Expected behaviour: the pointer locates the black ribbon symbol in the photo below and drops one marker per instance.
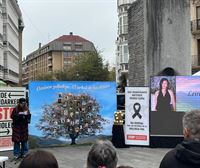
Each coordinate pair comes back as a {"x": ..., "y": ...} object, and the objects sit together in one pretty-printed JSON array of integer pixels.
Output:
[{"x": 136, "y": 108}]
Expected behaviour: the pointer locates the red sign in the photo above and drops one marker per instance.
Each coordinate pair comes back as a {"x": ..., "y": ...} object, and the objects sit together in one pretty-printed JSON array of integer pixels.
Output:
[{"x": 137, "y": 137}]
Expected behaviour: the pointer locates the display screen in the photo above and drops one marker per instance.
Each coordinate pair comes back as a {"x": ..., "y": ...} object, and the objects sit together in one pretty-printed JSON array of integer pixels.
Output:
[
  {"x": 187, "y": 93},
  {"x": 180, "y": 93}
]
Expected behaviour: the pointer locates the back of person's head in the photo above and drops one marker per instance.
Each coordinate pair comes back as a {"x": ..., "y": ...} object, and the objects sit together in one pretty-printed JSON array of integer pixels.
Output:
[
  {"x": 102, "y": 155},
  {"x": 39, "y": 159},
  {"x": 191, "y": 125}
]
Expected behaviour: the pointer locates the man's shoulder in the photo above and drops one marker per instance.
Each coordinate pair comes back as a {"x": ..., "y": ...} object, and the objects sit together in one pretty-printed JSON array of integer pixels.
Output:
[
  {"x": 168, "y": 159},
  {"x": 170, "y": 154}
]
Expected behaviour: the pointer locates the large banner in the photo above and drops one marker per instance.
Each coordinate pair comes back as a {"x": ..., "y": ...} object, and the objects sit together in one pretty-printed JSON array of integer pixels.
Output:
[
  {"x": 8, "y": 100},
  {"x": 65, "y": 112},
  {"x": 137, "y": 115}
]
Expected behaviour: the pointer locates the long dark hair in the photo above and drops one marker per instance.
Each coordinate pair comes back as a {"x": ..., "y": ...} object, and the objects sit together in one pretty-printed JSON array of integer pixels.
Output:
[
  {"x": 39, "y": 159},
  {"x": 161, "y": 82},
  {"x": 19, "y": 108}
]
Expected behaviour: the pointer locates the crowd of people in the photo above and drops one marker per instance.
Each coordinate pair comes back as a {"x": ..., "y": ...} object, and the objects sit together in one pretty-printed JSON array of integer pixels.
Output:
[{"x": 103, "y": 154}]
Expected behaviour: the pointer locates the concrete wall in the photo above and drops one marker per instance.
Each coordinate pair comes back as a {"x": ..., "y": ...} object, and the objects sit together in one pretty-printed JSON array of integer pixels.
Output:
[
  {"x": 57, "y": 61},
  {"x": 195, "y": 34},
  {"x": 136, "y": 44},
  {"x": 164, "y": 41}
]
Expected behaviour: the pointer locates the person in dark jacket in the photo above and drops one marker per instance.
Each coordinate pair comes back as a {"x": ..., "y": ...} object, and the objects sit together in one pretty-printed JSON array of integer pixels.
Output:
[
  {"x": 21, "y": 118},
  {"x": 186, "y": 154}
]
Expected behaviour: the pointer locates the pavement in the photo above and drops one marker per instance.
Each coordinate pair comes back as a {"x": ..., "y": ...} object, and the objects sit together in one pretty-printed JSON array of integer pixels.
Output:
[{"x": 76, "y": 156}]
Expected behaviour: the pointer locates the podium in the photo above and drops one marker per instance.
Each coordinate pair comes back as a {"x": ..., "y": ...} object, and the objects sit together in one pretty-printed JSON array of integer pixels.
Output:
[{"x": 118, "y": 139}]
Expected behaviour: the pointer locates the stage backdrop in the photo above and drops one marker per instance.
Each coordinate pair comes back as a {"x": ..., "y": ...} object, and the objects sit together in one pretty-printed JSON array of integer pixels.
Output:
[
  {"x": 137, "y": 115},
  {"x": 65, "y": 111}
]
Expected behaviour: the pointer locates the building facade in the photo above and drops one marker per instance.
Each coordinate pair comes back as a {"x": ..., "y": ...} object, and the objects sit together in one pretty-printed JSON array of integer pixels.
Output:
[
  {"x": 11, "y": 27},
  {"x": 54, "y": 56},
  {"x": 195, "y": 43},
  {"x": 122, "y": 54}
]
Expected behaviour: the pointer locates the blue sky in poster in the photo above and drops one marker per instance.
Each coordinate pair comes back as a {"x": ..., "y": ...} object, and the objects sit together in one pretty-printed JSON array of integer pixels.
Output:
[{"x": 46, "y": 92}]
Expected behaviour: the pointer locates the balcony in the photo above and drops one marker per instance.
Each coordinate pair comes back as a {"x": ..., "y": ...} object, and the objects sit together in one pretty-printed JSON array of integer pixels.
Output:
[
  {"x": 124, "y": 2},
  {"x": 49, "y": 57},
  {"x": 49, "y": 63},
  {"x": 124, "y": 68},
  {"x": 195, "y": 26}
]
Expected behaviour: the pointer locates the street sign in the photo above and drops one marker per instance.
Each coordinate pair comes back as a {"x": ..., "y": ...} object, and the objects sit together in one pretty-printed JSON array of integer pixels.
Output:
[
  {"x": 5, "y": 128},
  {"x": 9, "y": 97}
]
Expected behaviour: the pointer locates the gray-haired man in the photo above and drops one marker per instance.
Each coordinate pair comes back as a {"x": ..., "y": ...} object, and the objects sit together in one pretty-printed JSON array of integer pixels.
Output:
[{"x": 186, "y": 154}]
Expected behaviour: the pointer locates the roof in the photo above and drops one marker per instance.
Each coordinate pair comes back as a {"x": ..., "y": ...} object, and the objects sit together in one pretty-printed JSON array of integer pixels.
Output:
[
  {"x": 64, "y": 38},
  {"x": 71, "y": 38}
]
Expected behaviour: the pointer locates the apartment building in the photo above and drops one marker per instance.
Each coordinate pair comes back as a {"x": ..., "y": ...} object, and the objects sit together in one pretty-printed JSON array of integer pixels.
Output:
[
  {"x": 195, "y": 28},
  {"x": 54, "y": 56},
  {"x": 11, "y": 27},
  {"x": 122, "y": 53}
]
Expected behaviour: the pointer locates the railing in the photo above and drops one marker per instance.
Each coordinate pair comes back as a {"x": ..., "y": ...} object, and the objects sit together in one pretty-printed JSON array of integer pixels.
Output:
[{"x": 195, "y": 25}]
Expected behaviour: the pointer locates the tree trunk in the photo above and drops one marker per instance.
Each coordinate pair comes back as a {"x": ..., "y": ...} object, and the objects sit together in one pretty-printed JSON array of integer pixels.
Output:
[
  {"x": 73, "y": 141},
  {"x": 73, "y": 138}
]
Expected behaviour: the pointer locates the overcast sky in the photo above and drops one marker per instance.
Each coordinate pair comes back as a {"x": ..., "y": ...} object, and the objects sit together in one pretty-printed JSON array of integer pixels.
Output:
[{"x": 46, "y": 20}]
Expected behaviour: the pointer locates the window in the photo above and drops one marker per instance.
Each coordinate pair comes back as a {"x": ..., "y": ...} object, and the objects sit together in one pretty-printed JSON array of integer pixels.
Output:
[
  {"x": 78, "y": 46},
  {"x": 125, "y": 8},
  {"x": 123, "y": 24},
  {"x": 120, "y": 54},
  {"x": 126, "y": 66},
  {"x": 198, "y": 16},
  {"x": 67, "y": 46},
  {"x": 120, "y": 26},
  {"x": 126, "y": 53}
]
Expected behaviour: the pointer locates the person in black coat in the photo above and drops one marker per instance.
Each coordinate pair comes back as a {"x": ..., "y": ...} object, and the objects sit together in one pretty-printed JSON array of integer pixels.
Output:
[
  {"x": 186, "y": 154},
  {"x": 21, "y": 118}
]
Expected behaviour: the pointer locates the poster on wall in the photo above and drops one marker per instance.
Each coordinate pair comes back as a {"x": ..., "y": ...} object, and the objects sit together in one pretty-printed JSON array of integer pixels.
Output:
[
  {"x": 137, "y": 116},
  {"x": 8, "y": 100},
  {"x": 71, "y": 112},
  {"x": 163, "y": 93}
]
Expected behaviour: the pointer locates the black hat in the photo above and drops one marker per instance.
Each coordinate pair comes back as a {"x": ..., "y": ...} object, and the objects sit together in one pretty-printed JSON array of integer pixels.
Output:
[{"x": 22, "y": 100}]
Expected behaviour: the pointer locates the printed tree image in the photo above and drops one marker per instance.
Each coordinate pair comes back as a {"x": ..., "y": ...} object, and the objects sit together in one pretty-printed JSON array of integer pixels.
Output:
[{"x": 71, "y": 116}]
